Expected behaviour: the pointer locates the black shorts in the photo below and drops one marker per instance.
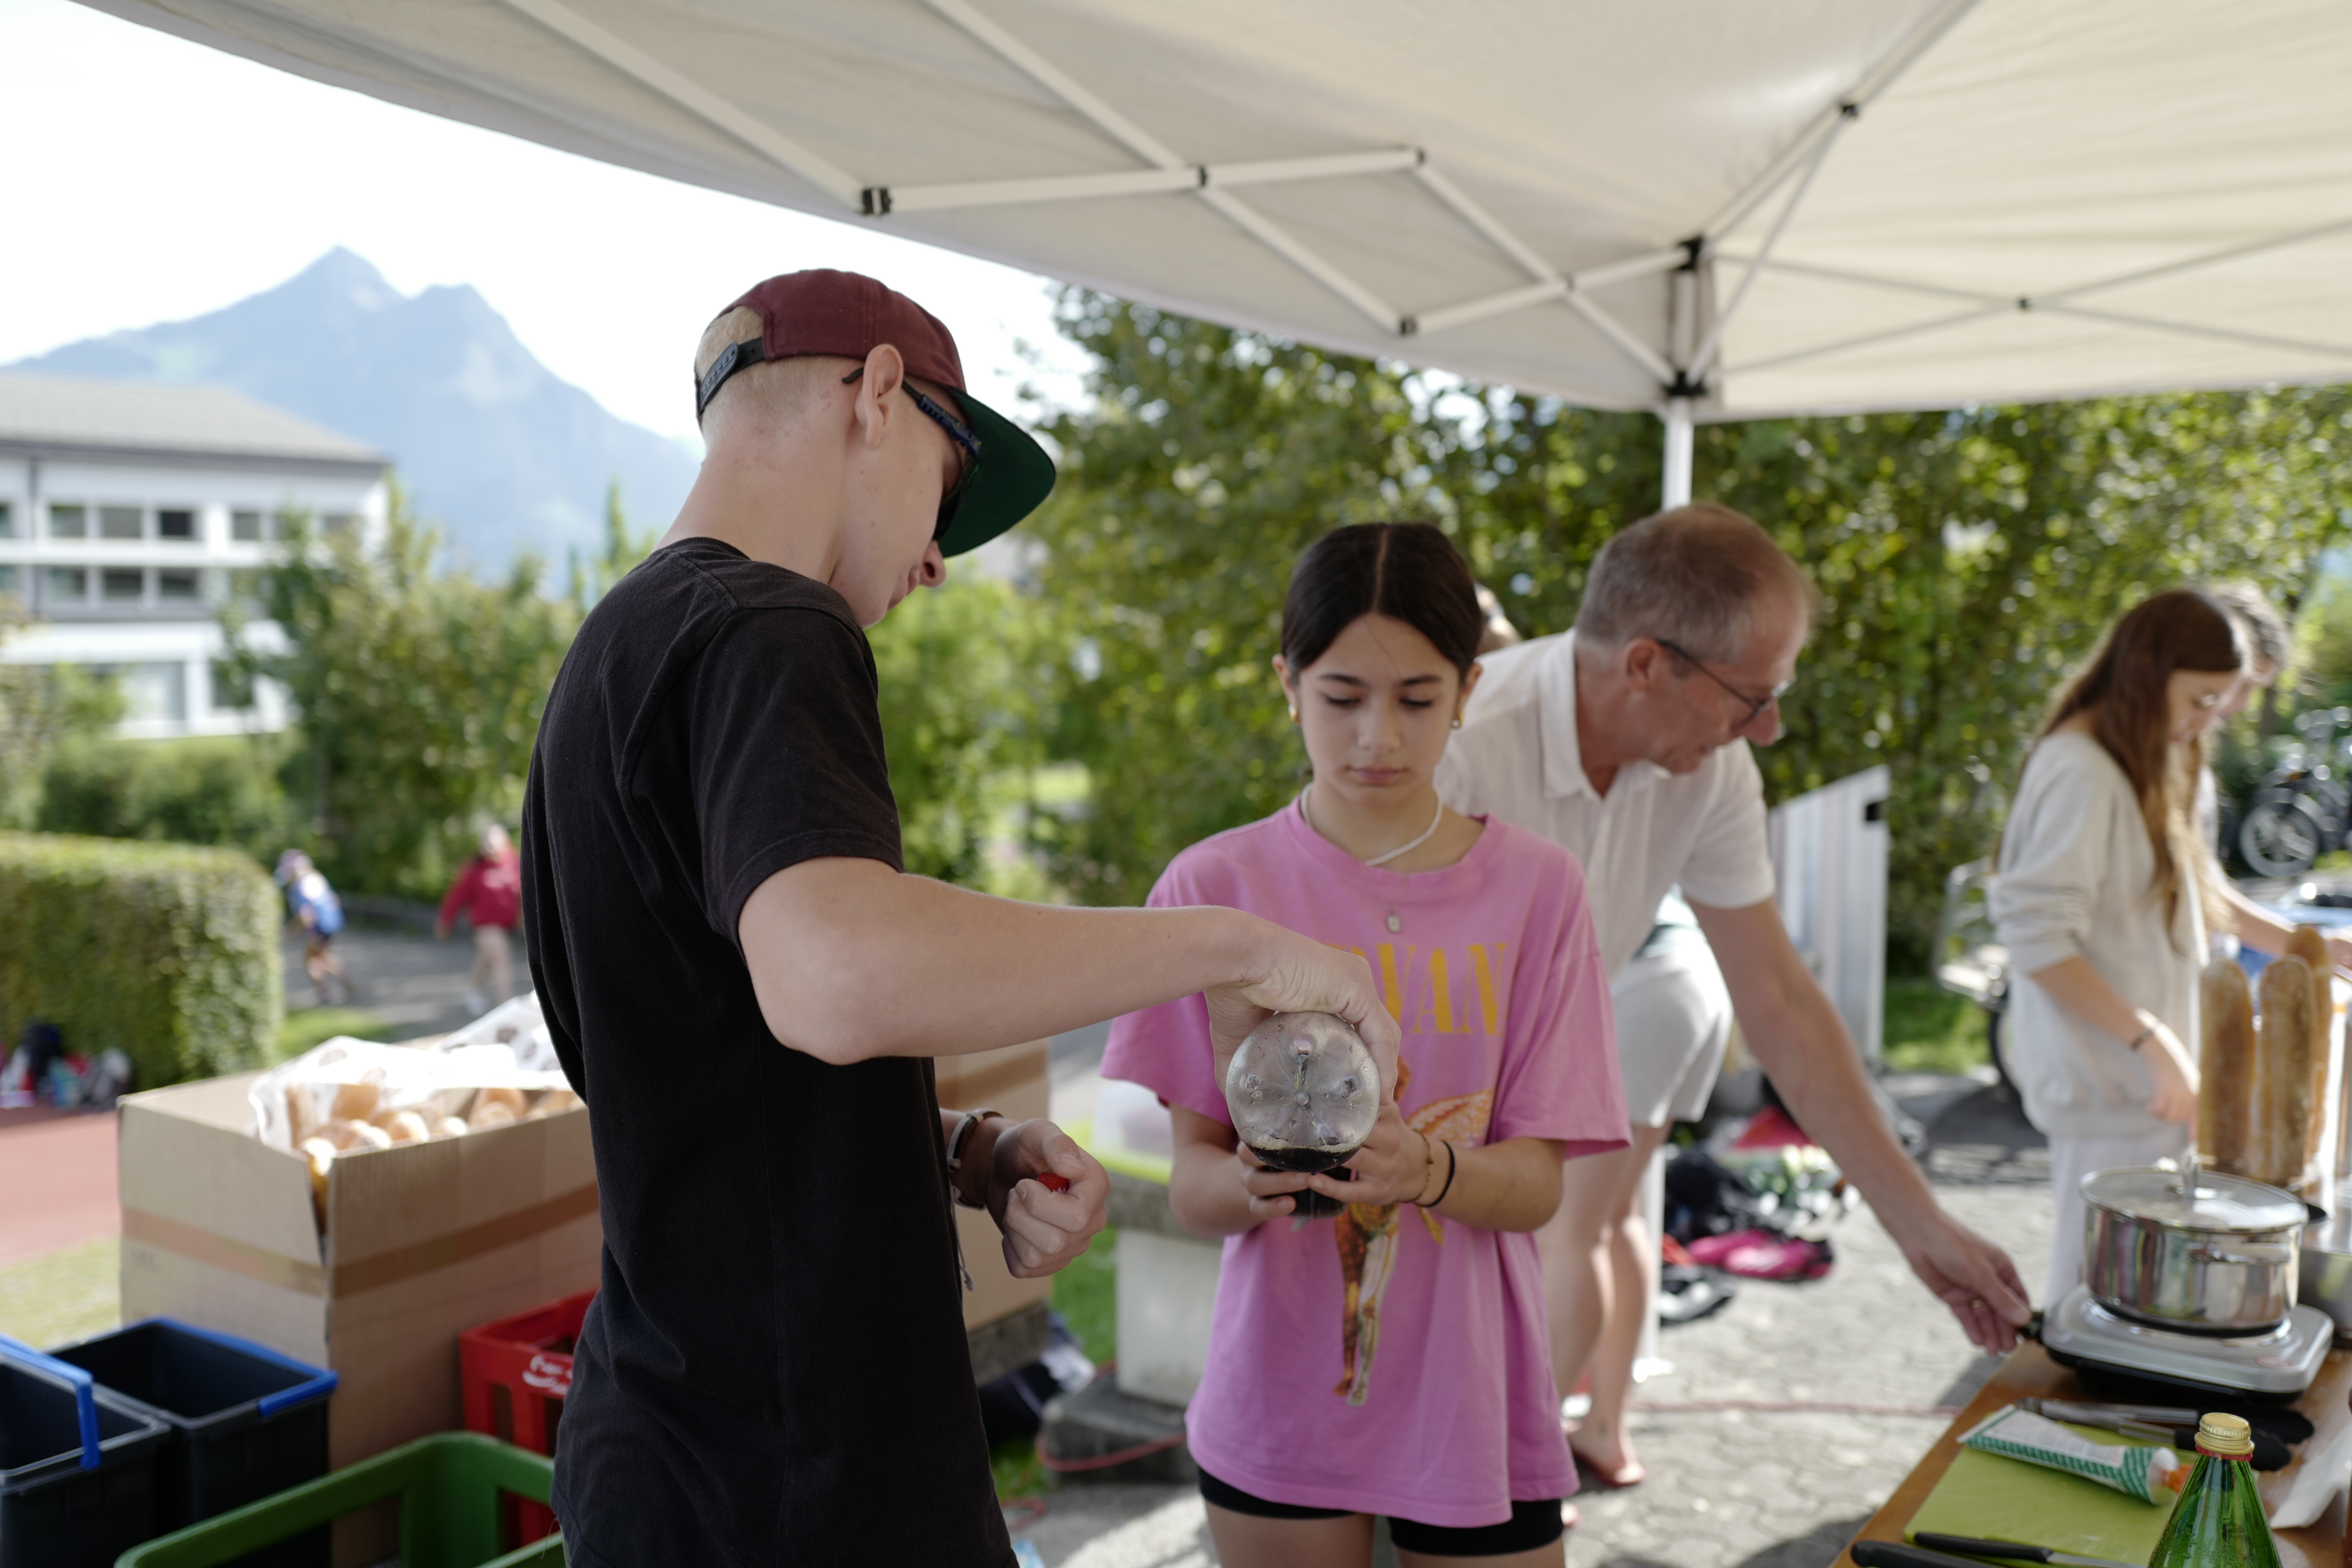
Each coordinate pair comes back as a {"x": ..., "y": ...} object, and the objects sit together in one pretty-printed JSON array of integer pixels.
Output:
[{"x": 1531, "y": 1524}]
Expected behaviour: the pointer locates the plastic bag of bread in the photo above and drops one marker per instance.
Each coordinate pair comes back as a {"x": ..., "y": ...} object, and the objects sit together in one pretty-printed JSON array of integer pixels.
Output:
[{"x": 404, "y": 1094}]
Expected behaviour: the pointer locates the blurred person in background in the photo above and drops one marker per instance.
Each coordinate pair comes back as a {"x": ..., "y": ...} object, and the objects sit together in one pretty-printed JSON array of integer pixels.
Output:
[
  {"x": 312, "y": 908},
  {"x": 488, "y": 893},
  {"x": 2101, "y": 892}
]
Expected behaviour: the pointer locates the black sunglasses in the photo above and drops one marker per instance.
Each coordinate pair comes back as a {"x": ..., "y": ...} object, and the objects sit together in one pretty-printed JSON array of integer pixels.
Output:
[
  {"x": 1754, "y": 709},
  {"x": 958, "y": 432}
]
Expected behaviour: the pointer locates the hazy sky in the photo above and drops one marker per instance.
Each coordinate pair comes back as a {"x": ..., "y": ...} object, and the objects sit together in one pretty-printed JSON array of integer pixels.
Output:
[{"x": 149, "y": 179}]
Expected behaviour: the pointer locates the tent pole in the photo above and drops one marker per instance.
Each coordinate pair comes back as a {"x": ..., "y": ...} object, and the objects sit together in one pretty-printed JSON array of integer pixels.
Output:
[{"x": 1677, "y": 490}]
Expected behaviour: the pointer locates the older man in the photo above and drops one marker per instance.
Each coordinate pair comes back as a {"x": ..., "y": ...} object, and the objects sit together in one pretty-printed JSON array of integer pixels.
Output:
[{"x": 1626, "y": 739}]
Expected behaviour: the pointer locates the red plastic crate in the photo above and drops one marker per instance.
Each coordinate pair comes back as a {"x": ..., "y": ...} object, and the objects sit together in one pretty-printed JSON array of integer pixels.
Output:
[{"x": 515, "y": 1374}]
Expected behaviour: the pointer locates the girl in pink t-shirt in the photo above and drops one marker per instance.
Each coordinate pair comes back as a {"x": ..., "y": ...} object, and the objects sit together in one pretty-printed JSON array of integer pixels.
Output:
[{"x": 1393, "y": 1361}]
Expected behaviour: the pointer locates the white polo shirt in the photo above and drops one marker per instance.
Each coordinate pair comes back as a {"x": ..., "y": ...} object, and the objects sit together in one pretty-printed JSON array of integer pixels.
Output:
[{"x": 1516, "y": 756}]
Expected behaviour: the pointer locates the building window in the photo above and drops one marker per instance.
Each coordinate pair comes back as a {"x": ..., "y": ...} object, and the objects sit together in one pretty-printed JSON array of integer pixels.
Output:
[
  {"x": 244, "y": 527},
  {"x": 7, "y": 578},
  {"x": 181, "y": 585},
  {"x": 156, "y": 691},
  {"x": 175, "y": 522},
  {"x": 245, "y": 585},
  {"x": 67, "y": 583},
  {"x": 232, "y": 689},
  {"x": 122, "y": 582},
  {"x": 68, "y": 522},
  {"x": 7, "y": 520},
  {"x": 119, "y": 522},
  {"x": 338, "y": 523}
]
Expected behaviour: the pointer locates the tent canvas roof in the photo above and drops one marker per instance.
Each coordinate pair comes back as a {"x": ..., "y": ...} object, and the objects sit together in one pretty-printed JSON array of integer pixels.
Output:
[{"x": 1983, "y": 199}]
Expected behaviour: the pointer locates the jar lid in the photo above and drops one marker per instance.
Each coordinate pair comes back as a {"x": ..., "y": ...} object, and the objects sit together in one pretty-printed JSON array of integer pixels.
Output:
[{"x": 2222, "y": 1202}]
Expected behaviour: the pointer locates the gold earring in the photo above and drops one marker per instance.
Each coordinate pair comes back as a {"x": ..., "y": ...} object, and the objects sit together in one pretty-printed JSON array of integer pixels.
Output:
[
  {"x": 1294, "y": 715},
  {"x": 1457, "y": 721}
]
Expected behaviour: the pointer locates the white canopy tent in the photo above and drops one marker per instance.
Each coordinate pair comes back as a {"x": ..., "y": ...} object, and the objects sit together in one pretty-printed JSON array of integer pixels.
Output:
[{"x": 1715, "y": 209}]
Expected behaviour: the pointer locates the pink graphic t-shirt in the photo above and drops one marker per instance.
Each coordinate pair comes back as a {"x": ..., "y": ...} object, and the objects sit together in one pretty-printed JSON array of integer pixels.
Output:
[{"x": 1390, "y": 1362}]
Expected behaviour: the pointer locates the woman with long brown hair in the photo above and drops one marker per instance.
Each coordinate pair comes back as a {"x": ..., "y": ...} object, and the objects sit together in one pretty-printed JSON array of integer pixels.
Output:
[{"x": 2101, "y": 899}]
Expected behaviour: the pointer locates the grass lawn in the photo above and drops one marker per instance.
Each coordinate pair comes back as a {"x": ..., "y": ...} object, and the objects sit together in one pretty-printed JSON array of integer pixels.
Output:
[
  {"x": 307, "y": 1026},
  {"x": 1928, "y": 1029},
  {"x": 63, "y": 1295}
]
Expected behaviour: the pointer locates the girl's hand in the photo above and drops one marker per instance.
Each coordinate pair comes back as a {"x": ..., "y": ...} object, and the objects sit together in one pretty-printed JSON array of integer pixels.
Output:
[
  {"x": 1269, "y": 1190},
  {"x": 1393, "y": 1167},
  {"x": 2175, "y": 1071}
]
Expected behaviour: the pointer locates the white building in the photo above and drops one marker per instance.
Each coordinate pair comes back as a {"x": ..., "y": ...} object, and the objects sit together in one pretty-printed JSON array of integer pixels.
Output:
[{"x": 131, "y": 512}]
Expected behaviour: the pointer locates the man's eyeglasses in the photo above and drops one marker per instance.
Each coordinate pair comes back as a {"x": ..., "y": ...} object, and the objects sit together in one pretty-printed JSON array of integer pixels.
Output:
[
  {"x": 1754, "y": 706},
  {"x": 958, "y": 432}
]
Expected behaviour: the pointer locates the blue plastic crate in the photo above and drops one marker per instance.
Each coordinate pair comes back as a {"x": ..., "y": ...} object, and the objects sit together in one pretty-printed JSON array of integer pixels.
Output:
[
  {"x": 77, "y": 1466},
  {"x": 245, "y": 1422}
]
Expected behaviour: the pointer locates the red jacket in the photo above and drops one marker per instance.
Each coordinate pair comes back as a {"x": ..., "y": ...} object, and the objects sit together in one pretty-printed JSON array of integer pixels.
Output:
[{"x": 488, "y": 892}]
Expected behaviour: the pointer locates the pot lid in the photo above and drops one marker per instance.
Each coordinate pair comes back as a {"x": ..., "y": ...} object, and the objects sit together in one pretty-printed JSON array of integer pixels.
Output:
[{"x": 2222, "y": 1202}]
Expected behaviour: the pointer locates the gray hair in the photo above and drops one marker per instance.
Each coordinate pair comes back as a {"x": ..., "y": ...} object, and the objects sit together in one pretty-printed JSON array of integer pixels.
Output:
[{"x": 1691, "y": 576}]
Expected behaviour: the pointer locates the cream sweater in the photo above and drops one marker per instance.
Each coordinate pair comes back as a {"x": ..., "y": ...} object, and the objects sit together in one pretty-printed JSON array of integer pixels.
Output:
[{"x": 2075, "y": 869}]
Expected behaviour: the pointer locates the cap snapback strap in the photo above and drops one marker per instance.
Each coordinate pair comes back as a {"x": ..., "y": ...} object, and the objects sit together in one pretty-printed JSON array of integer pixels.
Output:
[{"x": 735, "y": 357}]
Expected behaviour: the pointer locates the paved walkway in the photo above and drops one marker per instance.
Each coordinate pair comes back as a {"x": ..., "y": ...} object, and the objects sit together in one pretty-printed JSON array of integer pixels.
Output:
[
  {"x": 58, "y": 1173},
  {"x": 1742, "y": 1475},
  {"x": 416, "y": 985}
]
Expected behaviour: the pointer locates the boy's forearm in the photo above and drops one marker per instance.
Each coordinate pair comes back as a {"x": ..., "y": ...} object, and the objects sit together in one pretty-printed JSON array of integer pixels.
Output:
[{"x": 851, "y": 960}]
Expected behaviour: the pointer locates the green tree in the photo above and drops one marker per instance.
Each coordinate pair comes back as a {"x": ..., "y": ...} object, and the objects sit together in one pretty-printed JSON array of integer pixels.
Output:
[
  {"x": 959, "y": 717},
  {"x": 592, "y": 578},
  {"x": 42, "y": 706},
  {"x": 1966, "y": 559},
  {"x": 1208, "y": 459},
  {"x": 417, "y": 691}
]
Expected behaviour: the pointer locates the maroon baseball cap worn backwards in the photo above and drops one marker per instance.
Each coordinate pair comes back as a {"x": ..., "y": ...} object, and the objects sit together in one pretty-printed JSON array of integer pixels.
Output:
[{"x": 820, "y": 312}]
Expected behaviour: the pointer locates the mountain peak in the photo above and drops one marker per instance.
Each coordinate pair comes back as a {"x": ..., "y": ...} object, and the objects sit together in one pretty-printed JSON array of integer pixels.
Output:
[
  {"x": 492, "y": 446},
  {"x": 344, "y": 276}
]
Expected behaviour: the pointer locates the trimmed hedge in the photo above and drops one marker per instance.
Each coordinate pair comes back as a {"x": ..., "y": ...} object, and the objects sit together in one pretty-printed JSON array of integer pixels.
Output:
[{"x": 168, "y": 952}]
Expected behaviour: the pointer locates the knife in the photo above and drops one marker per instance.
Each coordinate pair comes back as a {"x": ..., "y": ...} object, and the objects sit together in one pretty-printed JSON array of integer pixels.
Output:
[
  {"x": 2089, "y": 1415},
  {"x": 2017, "y": 1551},
  {"x": 2153, "y": 1424}
]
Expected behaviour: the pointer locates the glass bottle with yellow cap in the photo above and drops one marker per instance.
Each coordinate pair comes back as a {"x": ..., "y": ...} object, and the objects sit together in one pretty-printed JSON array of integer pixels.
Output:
[{"x": 2219, "y": 1523}]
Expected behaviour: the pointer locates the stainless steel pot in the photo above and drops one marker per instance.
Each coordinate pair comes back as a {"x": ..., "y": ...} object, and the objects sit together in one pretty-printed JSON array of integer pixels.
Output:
[{"x": 2190, "y": 1249}]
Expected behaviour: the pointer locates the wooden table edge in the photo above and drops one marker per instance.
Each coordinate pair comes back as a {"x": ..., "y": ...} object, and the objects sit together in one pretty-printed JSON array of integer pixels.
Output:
[{"x": 2030, "y": 1373}]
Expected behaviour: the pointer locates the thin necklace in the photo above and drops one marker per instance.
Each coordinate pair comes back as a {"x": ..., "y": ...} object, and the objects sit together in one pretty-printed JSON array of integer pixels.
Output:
[{"x": 1395, "y": 921}]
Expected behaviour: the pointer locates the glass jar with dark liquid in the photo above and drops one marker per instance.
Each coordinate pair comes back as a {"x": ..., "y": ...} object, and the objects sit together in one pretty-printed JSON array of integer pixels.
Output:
[{"x": 1304, "y": 1093}]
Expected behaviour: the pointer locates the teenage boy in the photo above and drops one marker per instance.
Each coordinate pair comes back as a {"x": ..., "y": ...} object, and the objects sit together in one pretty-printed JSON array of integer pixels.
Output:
[{"x": 746, "y": 990}]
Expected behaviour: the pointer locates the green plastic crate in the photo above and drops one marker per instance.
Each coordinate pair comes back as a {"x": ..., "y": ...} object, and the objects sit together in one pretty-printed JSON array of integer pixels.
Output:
[{"x": 448, "y": 1486}]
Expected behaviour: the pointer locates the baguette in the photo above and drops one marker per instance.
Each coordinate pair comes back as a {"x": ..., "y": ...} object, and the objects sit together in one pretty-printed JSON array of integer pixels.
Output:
[
  {"x": 2283, "y": 1102},
  {"x": 2309, "y": 943},
  {"x": 2225, "y": 1064}
]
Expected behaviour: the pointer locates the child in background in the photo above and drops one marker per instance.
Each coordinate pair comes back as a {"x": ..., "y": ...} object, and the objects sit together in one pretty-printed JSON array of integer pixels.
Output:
[{"x": 311, "y": 906}]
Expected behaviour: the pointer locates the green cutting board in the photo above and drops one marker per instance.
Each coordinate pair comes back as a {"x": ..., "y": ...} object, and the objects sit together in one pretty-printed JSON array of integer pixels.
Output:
[{"x": 1992, "y": 1496}]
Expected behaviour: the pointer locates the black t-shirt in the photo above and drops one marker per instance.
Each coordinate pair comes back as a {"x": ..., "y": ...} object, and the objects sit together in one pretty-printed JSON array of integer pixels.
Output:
[{"x": 774, "y": 1369}]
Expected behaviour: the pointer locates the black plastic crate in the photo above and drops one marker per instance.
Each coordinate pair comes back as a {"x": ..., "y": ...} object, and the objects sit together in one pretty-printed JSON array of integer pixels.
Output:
[
  {"x": 77, "y": 1466},
  {"x": 246, "y": 1422}
]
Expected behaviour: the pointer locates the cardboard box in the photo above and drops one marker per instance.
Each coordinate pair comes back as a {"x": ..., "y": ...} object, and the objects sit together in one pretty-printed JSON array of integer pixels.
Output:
[
  {"x": 421, "y": 1241},
  {"x": 1015, "y": 1080}
]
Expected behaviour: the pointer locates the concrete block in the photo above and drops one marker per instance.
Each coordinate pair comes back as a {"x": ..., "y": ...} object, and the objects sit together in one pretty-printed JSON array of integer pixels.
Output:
[
  {"x": 1100, "y": 1421},
  {"x": 1167, "y": 1292}
]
